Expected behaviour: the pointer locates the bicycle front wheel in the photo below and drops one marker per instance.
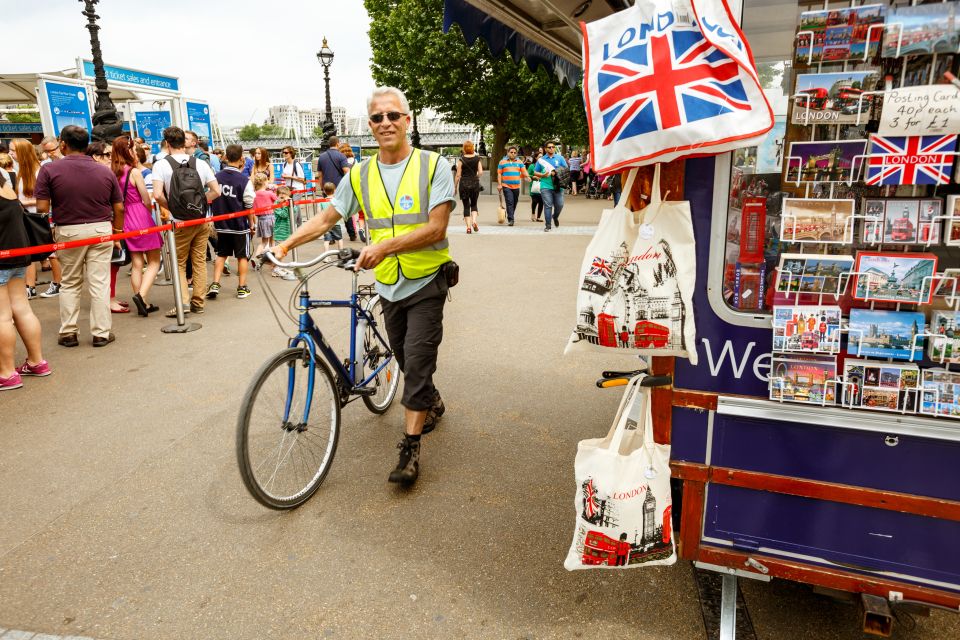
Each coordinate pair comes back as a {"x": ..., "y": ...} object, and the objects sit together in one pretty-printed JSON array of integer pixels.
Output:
[
  {"x": 376, "y": 351},
  {"x": 287, "y": 429}
]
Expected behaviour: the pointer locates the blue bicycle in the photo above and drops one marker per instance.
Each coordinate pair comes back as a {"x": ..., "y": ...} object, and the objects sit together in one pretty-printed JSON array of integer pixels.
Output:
[{"x": 289, "y": 421}]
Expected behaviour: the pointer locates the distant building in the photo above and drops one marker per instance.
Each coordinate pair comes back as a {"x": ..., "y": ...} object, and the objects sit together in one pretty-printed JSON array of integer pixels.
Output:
[{"x": 301, "y": 122}]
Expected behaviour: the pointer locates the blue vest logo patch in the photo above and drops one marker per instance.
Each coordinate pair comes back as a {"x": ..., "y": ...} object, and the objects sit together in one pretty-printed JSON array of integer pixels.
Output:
[{"x": 406, "y": 203}]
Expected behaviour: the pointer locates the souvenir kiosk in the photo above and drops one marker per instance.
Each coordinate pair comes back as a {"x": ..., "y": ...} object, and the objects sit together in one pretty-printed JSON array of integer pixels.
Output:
[{"x": 818, "y": 437}]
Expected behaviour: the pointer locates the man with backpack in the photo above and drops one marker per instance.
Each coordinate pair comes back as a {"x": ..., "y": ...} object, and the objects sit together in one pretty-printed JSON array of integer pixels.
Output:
[{"x": 184, "y": 186}]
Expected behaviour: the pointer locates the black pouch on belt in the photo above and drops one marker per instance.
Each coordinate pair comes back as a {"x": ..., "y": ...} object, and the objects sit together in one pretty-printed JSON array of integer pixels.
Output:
[{"x": 451, "y": 271}]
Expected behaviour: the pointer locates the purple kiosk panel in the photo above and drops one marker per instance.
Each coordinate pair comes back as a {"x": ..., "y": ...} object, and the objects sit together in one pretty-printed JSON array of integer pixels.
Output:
[{"x": 917, "y": 548}]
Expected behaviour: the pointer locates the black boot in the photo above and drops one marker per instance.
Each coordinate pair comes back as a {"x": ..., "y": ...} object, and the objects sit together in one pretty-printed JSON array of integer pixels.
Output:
[
  {"x": 433, "y": 414},
  {"x": 408, "y": 467}
]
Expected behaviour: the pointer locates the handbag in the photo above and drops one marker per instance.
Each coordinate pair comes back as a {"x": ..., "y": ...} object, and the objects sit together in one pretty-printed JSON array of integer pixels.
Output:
[
  {"x": 120, "y": 255},
  {"x": 535, "y": 187},
  {"x": 501, "y": 210},
  {"x": 637, "y": 279},
  {"x": 622, "y": 500},
  {"x": 39, "y": 233},
  {"x": 693, "y": 55}
]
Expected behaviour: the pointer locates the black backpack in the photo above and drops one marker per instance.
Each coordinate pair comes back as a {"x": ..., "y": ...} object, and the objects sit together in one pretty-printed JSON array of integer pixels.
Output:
[
  {"x": 561, "y": 178},
  {"x": 187, "y": 199}
]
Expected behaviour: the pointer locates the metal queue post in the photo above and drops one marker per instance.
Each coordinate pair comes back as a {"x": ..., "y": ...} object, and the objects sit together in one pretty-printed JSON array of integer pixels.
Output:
[
  {"x": 166, "y": 267},
  {"x": 181, "y": 326}
]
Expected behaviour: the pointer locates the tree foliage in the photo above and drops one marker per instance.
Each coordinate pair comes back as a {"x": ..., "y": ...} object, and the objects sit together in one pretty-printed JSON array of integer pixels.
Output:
[
  {"x": 467, "y": 83},
  {"x": 249, "y": 132},
  {"x": 27, "y": 116},
  {"x": 268, "y": 130}
]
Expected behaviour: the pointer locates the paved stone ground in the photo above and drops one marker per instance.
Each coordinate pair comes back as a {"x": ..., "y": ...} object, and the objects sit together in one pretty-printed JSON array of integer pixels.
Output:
[{"x": 124, "y": 516}]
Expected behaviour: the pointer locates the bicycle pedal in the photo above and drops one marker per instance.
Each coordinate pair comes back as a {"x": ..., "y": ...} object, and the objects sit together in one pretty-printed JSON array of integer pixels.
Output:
[{"x": 364, "y": 391}]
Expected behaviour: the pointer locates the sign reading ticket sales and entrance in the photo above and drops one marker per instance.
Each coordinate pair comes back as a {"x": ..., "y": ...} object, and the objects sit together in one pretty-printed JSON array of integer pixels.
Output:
[
  {"x": 921, "y": 111},
  {"x": 666, "y": 79}
]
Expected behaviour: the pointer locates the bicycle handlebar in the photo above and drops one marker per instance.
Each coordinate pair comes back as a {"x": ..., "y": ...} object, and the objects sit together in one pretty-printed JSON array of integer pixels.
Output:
[{"x": 340, "y": 254}]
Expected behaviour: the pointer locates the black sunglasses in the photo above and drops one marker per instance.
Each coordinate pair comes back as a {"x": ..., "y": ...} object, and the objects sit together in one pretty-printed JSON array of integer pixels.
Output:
[{"x": 377, "y": 118}]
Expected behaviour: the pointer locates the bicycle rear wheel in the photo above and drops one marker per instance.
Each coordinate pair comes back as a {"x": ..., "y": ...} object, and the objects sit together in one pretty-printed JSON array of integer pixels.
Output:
[
  {"x": 285, "y": 452},
  {"x": 374, "y": 353}
]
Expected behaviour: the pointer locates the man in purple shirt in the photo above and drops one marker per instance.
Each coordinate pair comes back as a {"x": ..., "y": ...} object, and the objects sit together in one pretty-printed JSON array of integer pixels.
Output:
[
  {"x": 87, "y": 203},
  {"x": 331, "y": 167}
]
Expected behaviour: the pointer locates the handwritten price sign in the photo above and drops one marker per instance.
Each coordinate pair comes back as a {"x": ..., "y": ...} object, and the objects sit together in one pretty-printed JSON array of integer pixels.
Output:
[{"x": 921, "y": 111}]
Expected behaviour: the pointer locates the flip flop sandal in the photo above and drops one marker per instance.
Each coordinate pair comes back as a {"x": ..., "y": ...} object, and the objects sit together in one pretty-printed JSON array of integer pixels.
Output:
[{"x": 120, "y": 310}]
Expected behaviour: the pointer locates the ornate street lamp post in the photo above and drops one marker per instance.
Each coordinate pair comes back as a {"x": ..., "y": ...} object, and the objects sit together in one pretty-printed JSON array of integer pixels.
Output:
[
  {"x": 106, "y": 120},
  {"x": 325, "y": 56}
]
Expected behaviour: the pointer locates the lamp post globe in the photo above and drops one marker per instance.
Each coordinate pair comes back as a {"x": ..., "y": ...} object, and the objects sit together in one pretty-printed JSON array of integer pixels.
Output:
[
  {"x": 325, "y": 57},
  {"x": 106, "y": 121}
]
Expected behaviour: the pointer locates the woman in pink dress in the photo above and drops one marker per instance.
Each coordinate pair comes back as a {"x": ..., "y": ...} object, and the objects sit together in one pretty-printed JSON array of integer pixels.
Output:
[{"x": 136, "y": 216}]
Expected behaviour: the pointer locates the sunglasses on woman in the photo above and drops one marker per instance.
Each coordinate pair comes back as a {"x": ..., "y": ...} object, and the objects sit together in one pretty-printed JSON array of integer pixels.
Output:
[{"x": 377, "y": 118}]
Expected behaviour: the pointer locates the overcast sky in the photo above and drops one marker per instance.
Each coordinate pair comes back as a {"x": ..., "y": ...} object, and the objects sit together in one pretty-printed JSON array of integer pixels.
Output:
[{"x": 241, "y": 56}]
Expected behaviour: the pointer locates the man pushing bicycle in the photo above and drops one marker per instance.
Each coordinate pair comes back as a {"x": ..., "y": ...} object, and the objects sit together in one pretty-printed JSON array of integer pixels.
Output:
[{"x": 407, "y": 197}]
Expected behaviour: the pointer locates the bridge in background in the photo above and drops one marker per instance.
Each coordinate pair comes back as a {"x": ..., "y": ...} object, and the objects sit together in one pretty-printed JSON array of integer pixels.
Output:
[{"x": 427, "y": 140}]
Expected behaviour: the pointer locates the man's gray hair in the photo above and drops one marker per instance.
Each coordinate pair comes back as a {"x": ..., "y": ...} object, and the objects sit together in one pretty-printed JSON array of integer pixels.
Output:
[
  {"x": 50, "y": 139},
  {"x": 389, "y": 91}
]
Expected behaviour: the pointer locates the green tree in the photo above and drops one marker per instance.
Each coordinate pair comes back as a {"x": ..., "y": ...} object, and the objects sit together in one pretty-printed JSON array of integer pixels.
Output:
[
  {"x": 467, "y": 83},
  {"x": 28, "y": 116},
  {"x": 268, "y": 130},
  {"x": 318, "y": 131},
  {"x": 249, "y": 132}
]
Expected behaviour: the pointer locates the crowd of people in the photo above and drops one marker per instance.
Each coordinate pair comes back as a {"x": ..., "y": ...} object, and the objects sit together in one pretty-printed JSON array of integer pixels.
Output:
[
  {"x": 89, "y": 189},
  {"x": 92, "y": 189}
]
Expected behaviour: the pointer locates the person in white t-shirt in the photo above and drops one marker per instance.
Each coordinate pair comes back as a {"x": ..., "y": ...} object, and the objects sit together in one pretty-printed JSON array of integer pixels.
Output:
[
  {"x": 292, "y": 172},
  {"x": 191, "y": 241}
]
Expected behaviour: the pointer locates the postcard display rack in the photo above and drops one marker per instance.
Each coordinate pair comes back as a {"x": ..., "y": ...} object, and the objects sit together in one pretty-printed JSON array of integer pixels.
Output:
[{"x": 866, "y": 295}]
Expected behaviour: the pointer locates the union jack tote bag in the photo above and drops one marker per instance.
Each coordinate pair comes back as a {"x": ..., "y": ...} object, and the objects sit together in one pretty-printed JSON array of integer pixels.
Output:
[
  {"x": 623, "y": 501},
  {"x": 666, "y": 79},
  {"x": 637, "y": 280}
]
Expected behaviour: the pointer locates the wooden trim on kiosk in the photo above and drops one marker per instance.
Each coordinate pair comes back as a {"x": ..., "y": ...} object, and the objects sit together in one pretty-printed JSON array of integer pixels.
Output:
[{"x": 829, "y": 577}]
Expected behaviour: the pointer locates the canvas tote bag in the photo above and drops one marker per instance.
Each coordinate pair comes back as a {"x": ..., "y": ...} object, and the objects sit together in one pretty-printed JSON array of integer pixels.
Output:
[
  {"x": 623, "y": 501},
  {"x": 637, "y": 280},
  {"x": 665, "y": 79}
]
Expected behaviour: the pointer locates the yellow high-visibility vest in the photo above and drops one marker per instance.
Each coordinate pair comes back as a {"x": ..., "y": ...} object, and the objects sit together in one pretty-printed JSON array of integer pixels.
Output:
[{"x": 388, "y": 219}]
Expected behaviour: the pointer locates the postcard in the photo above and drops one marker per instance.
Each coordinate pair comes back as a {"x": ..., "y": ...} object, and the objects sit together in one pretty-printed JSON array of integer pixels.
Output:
[
  {"x": 820, "y": 221},
  {"x": 907, "y": 160},
  {"x": 825, "y": 161},
  {"x": 948, "y": 285},
  {"x": 940, "y": 393},
  {"x": 839, "y": 34},
  {"x": 894, "y": 277},
  {"x": 881, "y": 386},
  {"x": 953, "y": 221},
  {"x": 804, "y": 380},
  {"x": 922, "y": 30},
  {"x": 902, "y": 220},
  {"x": 812, "y": 273},
  {"x": 806, "y": 329},
  {"x": 885, "y": 334},
  {"x": 833, "y": 98},
  {"x": 945, "y": 343}
]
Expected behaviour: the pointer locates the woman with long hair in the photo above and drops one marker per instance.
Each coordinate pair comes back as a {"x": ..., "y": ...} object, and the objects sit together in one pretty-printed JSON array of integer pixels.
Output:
[
  {"x": 23, "y": 151},
  {"x": 136, "y": 216},
  {"x": 469, "y": 171},
  {"x": 262, "y": 164}
]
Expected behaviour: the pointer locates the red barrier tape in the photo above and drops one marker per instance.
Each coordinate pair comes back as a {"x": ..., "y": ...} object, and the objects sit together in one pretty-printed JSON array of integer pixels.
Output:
[{"x": 73, "y": 244}]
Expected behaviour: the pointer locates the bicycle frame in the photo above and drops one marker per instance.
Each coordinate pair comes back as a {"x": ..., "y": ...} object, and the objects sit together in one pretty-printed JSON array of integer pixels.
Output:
[{"x": 310, "y": 335}]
